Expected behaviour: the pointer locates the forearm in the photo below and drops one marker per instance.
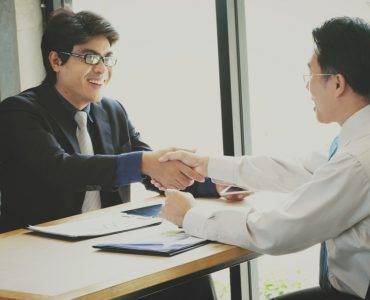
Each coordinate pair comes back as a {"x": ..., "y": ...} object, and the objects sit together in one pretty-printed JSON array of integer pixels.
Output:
[
  {"x": 76, "y": 172},
  {"x": 258, "y": 173},
  {"x": 314, "y": 212},
  {"x": 128, "y": 168},
  {"x": 32, "y": 148}
]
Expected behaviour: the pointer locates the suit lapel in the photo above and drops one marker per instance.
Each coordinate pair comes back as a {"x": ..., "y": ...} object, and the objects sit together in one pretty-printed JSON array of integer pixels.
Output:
[
  {"x": 49, "y": 99},
  {"x": 103, "y": 126}
]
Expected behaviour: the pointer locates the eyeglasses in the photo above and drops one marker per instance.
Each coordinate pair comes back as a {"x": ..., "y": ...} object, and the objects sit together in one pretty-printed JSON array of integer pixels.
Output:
[
  {"x": 307, "y": 77},
  {"x": 94, "y": 59}
]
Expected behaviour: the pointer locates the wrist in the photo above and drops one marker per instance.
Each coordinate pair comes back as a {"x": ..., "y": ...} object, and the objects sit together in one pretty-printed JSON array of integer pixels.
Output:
[{"x": 146, "y": 162}]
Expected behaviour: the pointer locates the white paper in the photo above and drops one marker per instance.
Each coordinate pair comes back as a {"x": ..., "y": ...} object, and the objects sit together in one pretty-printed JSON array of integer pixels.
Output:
[{"x": 97, "y": 226}]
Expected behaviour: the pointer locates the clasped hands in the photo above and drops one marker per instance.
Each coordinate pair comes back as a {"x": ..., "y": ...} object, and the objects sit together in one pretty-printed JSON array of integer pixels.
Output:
[
  {"x": 180, "y": 168},
  {"x": 174, "y": 168}
]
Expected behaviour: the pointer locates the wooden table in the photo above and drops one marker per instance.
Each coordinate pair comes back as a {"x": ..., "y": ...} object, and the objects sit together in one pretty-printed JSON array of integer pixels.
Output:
[{"x": 34, "y": 267}]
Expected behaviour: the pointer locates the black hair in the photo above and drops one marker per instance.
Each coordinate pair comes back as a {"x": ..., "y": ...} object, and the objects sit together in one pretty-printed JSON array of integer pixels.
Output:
[
  {"x": 66, "y": 29},
  {"x": 343, "y": 46}
]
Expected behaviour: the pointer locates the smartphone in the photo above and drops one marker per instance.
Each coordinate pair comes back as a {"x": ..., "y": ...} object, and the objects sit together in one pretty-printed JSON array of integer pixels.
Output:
[{"x": 233, "y": 190}]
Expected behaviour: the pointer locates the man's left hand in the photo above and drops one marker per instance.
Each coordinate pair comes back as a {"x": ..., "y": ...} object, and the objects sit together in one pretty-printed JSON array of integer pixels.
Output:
[{"x": 176, "y": 206}]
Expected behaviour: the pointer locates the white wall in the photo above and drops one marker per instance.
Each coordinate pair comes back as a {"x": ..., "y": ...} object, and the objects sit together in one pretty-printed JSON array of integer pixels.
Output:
[
  {"x": 9, "y": 75},
  {"x": 29, "y": 33},
  {"x": 20, "y": 40}
]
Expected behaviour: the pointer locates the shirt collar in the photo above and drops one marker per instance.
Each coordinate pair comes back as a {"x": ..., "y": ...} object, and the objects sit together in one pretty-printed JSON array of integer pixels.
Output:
[
  {"x": 73, "y": 110},
  {"x": 355, "y": 127}
]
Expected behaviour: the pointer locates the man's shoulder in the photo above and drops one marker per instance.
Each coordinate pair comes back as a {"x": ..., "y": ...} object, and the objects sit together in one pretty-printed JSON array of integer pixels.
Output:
[
  {"x": 26, "y": 100},
  {"x": 359, "y": 150},
  {"x": 359, "y": 147}
]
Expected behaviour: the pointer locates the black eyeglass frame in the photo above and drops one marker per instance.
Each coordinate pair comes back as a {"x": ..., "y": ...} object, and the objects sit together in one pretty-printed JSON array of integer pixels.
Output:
[{"x": 94, "y": 59}]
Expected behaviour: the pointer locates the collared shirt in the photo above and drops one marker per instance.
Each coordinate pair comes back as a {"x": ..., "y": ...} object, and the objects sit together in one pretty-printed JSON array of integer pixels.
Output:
[
  {"x": 128, "y": 164},
  {"x": 319, "y": 200}
]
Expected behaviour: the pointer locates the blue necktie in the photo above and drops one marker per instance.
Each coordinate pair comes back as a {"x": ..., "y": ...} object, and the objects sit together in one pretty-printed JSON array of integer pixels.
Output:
[{"x": 324, "y": 280}]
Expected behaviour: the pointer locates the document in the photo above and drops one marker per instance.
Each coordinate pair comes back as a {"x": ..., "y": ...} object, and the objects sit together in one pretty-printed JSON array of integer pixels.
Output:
[
  {"x": 167, "y": 243},
  {"x": 97, "y": 226}
]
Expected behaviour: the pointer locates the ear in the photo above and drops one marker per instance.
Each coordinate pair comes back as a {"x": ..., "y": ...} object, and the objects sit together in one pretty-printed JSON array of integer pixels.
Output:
[
  {"x": 340, "y": 84},
  {"x": 55, "y": 61}
]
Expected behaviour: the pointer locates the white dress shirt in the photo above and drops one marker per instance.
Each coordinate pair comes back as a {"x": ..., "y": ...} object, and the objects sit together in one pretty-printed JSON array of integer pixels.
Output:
[{"x": 322, "y": 201}]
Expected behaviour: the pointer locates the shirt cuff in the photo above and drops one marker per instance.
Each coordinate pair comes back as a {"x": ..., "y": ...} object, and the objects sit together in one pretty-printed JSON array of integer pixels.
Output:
[
  {"x": 195, "y": 220},
  {"x": 207, "y": 189},
  {"x": 128, "y": 168},
  {"x": 200, "y": 222}
]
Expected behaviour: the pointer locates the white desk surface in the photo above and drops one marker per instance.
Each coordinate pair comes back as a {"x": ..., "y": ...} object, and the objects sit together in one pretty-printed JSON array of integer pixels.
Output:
[{"x": 34, "y": 267}]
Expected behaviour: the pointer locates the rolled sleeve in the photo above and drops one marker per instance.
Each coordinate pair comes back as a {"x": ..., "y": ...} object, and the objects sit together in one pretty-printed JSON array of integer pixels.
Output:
[{"x": 128, "y": 168}]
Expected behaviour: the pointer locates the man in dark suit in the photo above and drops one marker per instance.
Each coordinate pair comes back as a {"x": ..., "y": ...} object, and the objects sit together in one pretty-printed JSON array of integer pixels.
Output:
[{"x": 66, "y": 150}]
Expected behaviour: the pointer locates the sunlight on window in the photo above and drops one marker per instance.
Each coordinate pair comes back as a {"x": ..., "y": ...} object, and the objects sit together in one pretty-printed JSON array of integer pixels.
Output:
[{"x": 167, "y": 71}]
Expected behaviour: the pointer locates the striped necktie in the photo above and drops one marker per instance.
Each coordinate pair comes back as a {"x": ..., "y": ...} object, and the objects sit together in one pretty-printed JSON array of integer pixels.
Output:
[
  {"x": 92, "y": 198},
  {"x": 324, "y": 279}
]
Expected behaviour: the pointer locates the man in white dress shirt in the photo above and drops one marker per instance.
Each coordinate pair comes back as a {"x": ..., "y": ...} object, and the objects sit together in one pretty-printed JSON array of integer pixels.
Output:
[{"x": 326, "y": 202}]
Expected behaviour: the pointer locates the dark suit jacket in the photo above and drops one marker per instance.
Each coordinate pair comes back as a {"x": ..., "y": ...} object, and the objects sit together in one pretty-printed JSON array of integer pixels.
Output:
[{"x": 42, "y": 175}]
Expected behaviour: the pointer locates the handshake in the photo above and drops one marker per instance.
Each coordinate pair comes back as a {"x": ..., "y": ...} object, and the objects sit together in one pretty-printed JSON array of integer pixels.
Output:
[{"x": 174, "y": 168}]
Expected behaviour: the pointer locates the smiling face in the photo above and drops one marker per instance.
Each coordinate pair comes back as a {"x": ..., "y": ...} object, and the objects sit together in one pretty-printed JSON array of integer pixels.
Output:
[
  {"x": 78, "y": 82},
  {"x": 322, "y": 90}
]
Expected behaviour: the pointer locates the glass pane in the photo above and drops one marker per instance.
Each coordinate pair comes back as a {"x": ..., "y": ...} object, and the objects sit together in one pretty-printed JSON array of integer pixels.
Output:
[
  {"x": 167, "y": 76},
  {"x": 167, "y": 71},
  {"x": 279, "y": 44}
]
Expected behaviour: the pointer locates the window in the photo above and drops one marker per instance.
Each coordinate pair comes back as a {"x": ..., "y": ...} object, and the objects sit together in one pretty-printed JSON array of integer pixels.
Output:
[
  {"x": 167, "y": 76},
  {"x": 167, "y": 71}
]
